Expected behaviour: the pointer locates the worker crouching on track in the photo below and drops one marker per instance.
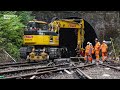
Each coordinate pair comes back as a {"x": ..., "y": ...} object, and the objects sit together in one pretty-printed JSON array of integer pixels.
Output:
[
  {"x": 88, "y": 56},
  {"x": 97, "y": 49},
  {"x": 104, "y": 49}
]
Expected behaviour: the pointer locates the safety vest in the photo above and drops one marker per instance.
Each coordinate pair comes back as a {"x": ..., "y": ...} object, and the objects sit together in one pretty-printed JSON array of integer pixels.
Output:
[
  {"x": 93, "y": 50},
  {"x": 87, "y": 48},
  {"x": 97, "y": 46},
  {"x": 104, "y": 47}
]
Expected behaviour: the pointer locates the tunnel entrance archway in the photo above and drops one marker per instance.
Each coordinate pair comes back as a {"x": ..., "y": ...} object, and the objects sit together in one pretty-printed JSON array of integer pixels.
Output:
[{"x": 90, "y": 33}]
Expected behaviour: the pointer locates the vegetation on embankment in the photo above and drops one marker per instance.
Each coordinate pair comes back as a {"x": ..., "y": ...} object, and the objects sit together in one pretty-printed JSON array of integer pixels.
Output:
[{"x": 11, "y": 31}]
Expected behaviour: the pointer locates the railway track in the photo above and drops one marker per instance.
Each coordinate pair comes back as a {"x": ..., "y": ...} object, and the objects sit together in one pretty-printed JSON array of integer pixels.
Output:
[
  {"x": 25, "y": 64},
  {"x": 80, "y": 73},
  {"x": 14, "y": 74},
  {"x": 89, "y": 71},
  {"x": 70, "y": 72},
  {"x": 112, "y": 67},
  {"x": 30, "y": 71},
  {"x": 102, "y": 71},
  {"x": 8, "y": 64}
]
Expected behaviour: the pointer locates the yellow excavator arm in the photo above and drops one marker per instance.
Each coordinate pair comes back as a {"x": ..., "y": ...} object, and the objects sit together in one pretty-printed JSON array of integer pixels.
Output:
[{"x": 70, "y": 23}]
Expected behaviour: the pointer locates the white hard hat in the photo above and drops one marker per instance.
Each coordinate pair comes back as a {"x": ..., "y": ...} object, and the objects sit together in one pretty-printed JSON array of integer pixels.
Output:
[
  {"x": 96, "y": 39},
  {"x": 104, "y": 41},
  {"x": 88, "y": 42}
]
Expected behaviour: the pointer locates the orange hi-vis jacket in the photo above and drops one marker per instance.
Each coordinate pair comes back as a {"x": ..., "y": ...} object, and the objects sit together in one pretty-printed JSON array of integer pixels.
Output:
[
  {"x": 97, "y": 46},
  {"x": 87, "y": 48},
  {"x": 104, "y": 47},
  {"x": 88, "y": 53},
  {"x": 92, "y": 49}
]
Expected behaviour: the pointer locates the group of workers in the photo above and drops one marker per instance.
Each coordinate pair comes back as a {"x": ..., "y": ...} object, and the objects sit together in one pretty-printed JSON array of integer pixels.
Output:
[{"x": 90, "y": 50}]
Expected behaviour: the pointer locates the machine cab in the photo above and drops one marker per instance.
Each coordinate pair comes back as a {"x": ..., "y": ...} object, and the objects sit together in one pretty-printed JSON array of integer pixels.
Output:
[{"x": 37, "y": 25}]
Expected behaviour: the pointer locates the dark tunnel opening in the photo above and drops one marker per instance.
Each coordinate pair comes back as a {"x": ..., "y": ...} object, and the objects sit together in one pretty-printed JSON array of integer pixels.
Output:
[
  {"x": 68, "y": 38},
  {"x": 90, "y": 34}
]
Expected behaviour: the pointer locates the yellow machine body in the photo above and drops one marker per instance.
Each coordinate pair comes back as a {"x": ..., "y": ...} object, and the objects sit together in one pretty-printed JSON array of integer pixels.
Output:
[
  {"x": 41, "y": 40},
  {"x": 41, "y": 56},
  {"x": 51, "y": 39},
  {"x": 38, "y": 36},
  {"x": 56, "y": 26}
]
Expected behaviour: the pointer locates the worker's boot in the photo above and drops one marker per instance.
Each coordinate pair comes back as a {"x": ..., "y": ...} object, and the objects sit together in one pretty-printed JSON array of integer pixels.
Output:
[
  {"x": 105, "y": 61},
  {"x": 88, "y": 62},
  {"x": 91, "y": 61},
  {"x": 97, "y": 62}
]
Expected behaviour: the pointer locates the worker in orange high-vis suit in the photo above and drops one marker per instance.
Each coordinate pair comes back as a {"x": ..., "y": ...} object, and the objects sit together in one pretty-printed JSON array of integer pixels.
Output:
[
  {"x": 104, "y": 49},
  {"x": 91, "y": 51},
  {"x": 97, "y": 49},
  {"x": 87, "y": 49}
]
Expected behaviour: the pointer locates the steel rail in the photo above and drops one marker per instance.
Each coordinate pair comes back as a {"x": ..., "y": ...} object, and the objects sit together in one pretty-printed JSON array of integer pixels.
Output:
[
  {"x": 19, "y": 65},
  {"x": 81, "y": 73},
  {"x": 29, "y": 69},
  {"x": 110, "y": 67},
  {"x": 45, "y": 71}
]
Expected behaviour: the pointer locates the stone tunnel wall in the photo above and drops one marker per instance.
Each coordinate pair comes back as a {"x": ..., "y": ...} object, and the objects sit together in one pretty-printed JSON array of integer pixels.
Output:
[
  {"x": 99, "y": 20},
  {"x": 105, "y": 23}
]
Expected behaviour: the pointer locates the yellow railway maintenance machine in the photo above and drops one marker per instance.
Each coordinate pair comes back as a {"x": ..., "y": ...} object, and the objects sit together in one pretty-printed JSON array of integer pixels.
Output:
[
  {"x": 38, "y": 42},
  {"x": 71, "y": 34},
  {"x": 59, "y": 40}
]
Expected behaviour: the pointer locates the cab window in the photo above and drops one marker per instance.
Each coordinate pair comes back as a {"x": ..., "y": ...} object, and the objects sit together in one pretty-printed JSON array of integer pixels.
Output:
[{"x": 50, "y": 33}]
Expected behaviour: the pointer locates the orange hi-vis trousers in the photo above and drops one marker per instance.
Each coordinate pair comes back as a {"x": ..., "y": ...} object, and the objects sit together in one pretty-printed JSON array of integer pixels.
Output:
[
  {"x": 85, "y": 56},
  {"x": 104, "y": 56},
  {"x": 97, "y": 55},
  {"x": 88, "y": 57}
]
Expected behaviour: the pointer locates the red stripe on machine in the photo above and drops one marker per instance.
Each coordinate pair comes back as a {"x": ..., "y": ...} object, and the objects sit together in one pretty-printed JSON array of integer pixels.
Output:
[
  {"x": 72, "y": 25},
  {"x": 28, "y": 36}
]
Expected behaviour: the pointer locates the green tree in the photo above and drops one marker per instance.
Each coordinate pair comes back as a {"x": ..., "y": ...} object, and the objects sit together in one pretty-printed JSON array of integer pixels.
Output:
[
  {"x": 11, "y": 31},
  {"x": 25, "y": 16}
]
